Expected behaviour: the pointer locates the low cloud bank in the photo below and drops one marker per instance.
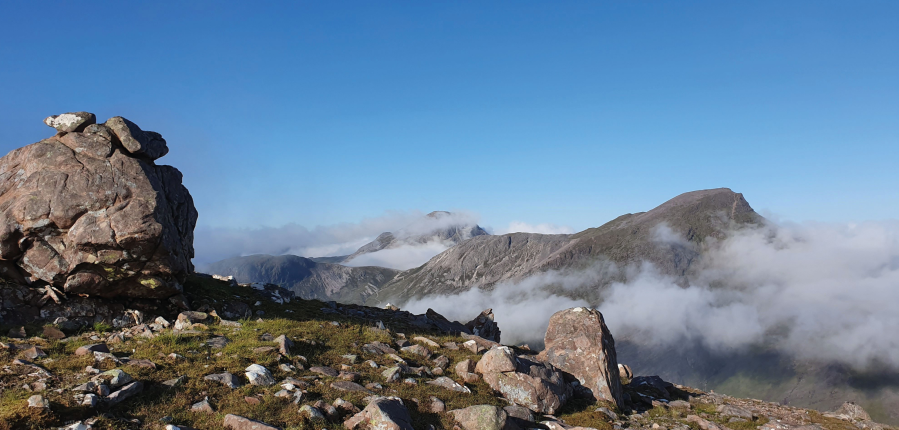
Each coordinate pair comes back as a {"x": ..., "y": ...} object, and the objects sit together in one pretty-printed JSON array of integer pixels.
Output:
[
  {"x": 401, "y": 258},
  {"x": 816, "y": 291},
  {"x": 214, "y": 244}
]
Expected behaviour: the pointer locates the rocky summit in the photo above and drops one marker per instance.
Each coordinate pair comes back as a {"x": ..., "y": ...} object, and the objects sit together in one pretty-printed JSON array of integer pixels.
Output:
[{"x": 89, "y": 212}]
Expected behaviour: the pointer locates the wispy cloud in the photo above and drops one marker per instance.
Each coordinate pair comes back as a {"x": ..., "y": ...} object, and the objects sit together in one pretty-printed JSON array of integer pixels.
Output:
[{"x": 545, "y": 228}]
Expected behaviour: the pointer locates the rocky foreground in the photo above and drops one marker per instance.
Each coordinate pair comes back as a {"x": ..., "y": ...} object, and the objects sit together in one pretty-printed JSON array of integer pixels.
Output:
[{"x": 297, "y": 364}]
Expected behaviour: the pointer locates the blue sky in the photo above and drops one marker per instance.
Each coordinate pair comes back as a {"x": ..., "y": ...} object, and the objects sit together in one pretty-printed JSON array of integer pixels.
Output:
[{"x": 569, "y": 113}]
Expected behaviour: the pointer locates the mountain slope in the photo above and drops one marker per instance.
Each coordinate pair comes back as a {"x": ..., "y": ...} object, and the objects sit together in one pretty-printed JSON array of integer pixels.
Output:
[
  {"x": 671, "y": 237},
  {"x": 305, "y": 277}
]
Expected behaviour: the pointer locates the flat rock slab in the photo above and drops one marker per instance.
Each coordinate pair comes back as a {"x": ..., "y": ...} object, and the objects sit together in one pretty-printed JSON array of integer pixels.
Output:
[
  {"x": 324, "y": 371},
  {"x": 237, "y": 422},
  {"x": 348, "y": 386}
]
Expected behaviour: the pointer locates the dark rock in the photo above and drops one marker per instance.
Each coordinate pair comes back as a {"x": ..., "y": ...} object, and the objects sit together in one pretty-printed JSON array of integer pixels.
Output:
[{"x": 484, "y": 326}]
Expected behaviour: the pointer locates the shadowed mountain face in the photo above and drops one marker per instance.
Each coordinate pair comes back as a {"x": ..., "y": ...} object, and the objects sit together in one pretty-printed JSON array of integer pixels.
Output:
[
  {"x": 671, "y": 237},
  {"x": 305, "y": 277}
]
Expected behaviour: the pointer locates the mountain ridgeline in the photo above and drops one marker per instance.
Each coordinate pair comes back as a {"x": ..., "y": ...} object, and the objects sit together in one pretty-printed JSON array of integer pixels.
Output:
[{"x": 671, "y": 237}]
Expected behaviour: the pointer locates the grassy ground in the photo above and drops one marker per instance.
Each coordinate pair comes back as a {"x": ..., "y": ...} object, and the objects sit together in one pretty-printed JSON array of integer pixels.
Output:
[{"x": 316, "y": 339}]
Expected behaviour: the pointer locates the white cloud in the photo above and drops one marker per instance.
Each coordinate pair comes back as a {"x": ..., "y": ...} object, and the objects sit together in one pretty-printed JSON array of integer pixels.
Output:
[
  {"x": 401, "y": 258},
  {"x": 815, "y": 291},
  {"x": 545, "y": 228}
]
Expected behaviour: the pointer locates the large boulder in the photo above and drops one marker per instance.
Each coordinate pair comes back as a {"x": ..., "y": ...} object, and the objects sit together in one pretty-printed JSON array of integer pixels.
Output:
[
  {"x": 536, "y": 386},
  {"x": 481, "y": 417},
  {"x": 579, "y": 343},
  {"x": 88, "y": 212}
]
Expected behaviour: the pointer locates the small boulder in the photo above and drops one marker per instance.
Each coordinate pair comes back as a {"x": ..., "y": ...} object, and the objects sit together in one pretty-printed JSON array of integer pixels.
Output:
[
  {"x": 497, "y": 359},
  {"x": 202, "y": 406},
  {"x": 324, "y": 371},
  {"x": 71, "y": 121},
  {"x": 348, "y": 386},
  {"x": 259, "y": 375},
  {"x": 90, "y": 349},
  {"x": 115, "y": 378},
  {"x": 449, "y": 384},
  {"x": 383, "y": 413},
  {"x": 480, "y": 417},
  {"x": 416, "y": 350},
  {"x": 853, "y": 411},
  {"x": 38, "y": 401},
  {"x": 237, "y": 422},
  {"x": 225, "y": 379},
  {"x": 125, "y": 393}
]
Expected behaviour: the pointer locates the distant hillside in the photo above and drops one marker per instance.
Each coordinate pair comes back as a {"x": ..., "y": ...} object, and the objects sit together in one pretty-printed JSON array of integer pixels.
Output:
[
  {"x": 307, "y": 278},
  {"x": 671, "y": 237}
]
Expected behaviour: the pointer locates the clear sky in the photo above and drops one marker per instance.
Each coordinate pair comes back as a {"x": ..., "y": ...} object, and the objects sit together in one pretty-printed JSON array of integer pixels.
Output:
[{"x": 569, "y": 113}]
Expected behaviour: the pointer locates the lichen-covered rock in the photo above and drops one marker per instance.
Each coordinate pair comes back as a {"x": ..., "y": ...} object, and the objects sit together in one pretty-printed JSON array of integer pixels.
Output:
[
  {"x": 578, "y": 342},
  {"x": 536, "y": 386},
  {"x": 84, "y": 214},
  {"x": 237, "y": 422},
  {"x": 480, "y": 417},
  {"x": 384, "y": 413}
]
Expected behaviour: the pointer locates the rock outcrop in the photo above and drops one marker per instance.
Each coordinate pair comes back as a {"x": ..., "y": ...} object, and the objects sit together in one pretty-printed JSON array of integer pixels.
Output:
[
  {"x": 579, "y": 343},
  {"x": 89, "y": 212}
]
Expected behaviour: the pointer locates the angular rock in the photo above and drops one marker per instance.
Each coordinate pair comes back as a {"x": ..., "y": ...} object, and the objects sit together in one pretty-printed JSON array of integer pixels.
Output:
[
  {"x": 378, "y": 348},
  {"x": 324, "y": 371},
  {"x": 853, "y": 411},
  {"x": 416, "y": 350},
  {"x": 348, "y": 386},
  {"x": 536, "y": 386},
  {"x": 80, "y": 213},
  {"x": 237, "y": 422},
  {"x": 313, "y": 414},
  {"x": 436, "y": 406},
  {"x": 90, "y": 400},
  {"x": 426, "y": 341},
  {"x": 38, "y": 401},
  {"x": 145, "y": 144},
  {"x": 202, "y": 406},
  {"x": 71, "y": 121},
  {"x": 259, "y": 375},
  {"x": 284, "y": 345},
  {"x": 125, "y": 393},
  {"x": 449, "y": 384},
  {"x": 225, "y": 379},
  {"x": 498, "y": 359},
  {"x": 115, "y": 378},
  {"x": 734, "y": 411},
  {"x": 624, "y": 372},
  {"x": 90, "y": 349},
  {"x": 384, "y": 413},
  {"x": 34, "y": 353},
  {"x": 579, "y": 343},
  {"x": 480, "y": 417},
  {"x": 484, "y": 326},
  {"x": 53, "y": 333}
]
